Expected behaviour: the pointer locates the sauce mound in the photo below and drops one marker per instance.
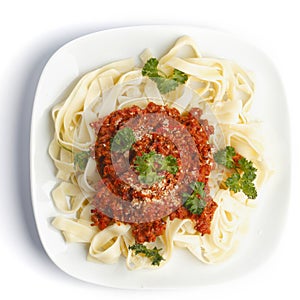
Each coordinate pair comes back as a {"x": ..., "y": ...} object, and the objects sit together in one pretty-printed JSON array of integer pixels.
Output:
[{"x": 156, "y": 131}]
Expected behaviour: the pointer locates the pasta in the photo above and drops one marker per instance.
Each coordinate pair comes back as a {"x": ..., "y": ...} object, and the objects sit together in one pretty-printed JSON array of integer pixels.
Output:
[{"x": 225, "y": 93}]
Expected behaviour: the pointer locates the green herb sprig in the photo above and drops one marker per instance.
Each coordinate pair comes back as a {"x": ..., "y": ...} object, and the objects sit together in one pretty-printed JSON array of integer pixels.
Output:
[
  {"x": 195, "y": 202},
  {"x": 243, "y": 172},
  {"x": 123, "y": 140},
  {"x": 164, "y": 83},
  {"x": 81, "y": 159},
  {"x": 152, "y": 254},
  {"x": 150, "y": 164}
]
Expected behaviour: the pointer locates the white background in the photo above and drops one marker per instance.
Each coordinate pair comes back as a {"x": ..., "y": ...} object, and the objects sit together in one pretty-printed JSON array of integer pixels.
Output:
[{"x": 31, "y": 31}]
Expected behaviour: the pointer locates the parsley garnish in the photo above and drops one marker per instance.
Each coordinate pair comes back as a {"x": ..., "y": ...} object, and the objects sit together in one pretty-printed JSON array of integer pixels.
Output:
[
  {"x": 81, "y": 159},
  {"x": 123, "y": 140},
  {"x": 152, "y": 254},
  {"x": 243, "y": 172},
  {"x": 195, "y": 202},
  {"x": 164, "y": 83},
  {"x": 169, "y": 164},
  {"x": 225, "y": 157},
  {"x": 150, "y": 164}
]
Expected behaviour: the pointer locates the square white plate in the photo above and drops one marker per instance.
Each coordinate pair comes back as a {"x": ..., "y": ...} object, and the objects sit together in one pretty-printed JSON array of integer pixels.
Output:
[{"x": 94, "y": 50}]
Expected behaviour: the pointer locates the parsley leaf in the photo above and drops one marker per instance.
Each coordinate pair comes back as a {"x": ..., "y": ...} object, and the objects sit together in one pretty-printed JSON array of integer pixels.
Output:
[
  {"x": 225, "y": 157},
  {"x": 247, "y": 167},
  {"x": 123, "y": 140},
  {"x": 152, "y": 254},
  {"x": 233, "y": 182},
  {"x": 248, "y": 189},
  {"x": 150, "y": 68},
  {"x": 195, "y": 202},
  {"x": 81, "y": 159},
  {"x": 247, "y": 185},
  {"x": 179, "y": 76},
  {"x": 198, "y": 188},
  {"x": 145, "y": 165},
  {"x": 244, "y": 172},
  {"x": 150, "y": 164},
  {"x": 164, "y": 83},
  {"x": 169, "y": 164}
]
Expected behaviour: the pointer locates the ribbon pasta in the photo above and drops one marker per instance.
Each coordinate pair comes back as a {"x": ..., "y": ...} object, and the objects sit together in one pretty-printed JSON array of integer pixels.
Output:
[{"x": 228, "y": 91}]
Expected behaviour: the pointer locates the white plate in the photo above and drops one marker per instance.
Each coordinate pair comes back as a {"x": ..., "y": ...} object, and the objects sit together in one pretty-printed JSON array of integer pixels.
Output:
[{"x": 96, "y": 49}]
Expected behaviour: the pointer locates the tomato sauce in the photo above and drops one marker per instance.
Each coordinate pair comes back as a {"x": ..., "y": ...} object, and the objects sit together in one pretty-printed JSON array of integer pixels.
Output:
[{"x": 121, "y": 197}]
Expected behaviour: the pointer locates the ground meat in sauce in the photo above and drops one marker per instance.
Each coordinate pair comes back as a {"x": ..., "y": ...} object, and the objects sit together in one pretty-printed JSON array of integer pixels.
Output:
[{"x": 164, "y": 130}]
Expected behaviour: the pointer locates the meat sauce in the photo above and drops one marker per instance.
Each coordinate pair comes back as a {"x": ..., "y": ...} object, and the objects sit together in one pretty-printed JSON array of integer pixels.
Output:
[{"x": 121, "y": 197}]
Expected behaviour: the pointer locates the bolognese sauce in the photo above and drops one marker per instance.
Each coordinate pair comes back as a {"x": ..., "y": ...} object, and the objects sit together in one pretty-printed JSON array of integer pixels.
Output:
[{"x": 175, "y": 151}]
